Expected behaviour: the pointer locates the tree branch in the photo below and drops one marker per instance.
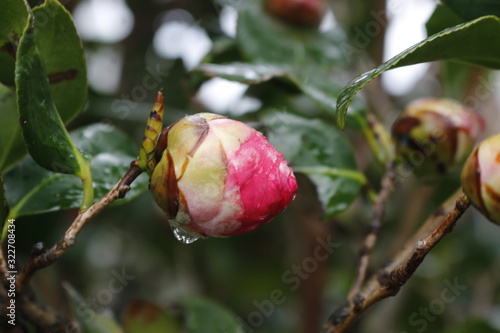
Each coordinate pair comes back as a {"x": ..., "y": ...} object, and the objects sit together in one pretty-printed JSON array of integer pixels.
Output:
[
  {"x": 46, "y": 258},
  {"x": 388, "y": 281},
  {"x": 374, "y": 231}
]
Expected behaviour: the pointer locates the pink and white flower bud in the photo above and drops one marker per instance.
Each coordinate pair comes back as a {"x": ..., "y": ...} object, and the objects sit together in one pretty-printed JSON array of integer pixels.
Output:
[
  {"x": 481, "y": 178},
  {"x": 220, "y": 177}
]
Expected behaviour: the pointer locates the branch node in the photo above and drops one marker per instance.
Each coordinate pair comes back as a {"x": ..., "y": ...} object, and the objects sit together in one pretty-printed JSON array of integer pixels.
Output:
[
  {"x": 122, "y": 191},
  {"x": 69, "y": 242},
  {"x": 420, "y": 244},
  {"x": 37, "y": 250},
  {"x": 358, "y": 301},
  {"x": 338, "y": 316},
  {"x": 383, "y": 277}
]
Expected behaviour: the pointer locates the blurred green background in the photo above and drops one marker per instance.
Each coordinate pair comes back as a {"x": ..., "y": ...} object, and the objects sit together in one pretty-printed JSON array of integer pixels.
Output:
[{"x": 135, "y": 48}]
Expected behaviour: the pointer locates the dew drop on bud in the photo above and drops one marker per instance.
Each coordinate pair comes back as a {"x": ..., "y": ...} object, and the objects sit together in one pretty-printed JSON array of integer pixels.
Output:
[{"x": 183, "y": 236}]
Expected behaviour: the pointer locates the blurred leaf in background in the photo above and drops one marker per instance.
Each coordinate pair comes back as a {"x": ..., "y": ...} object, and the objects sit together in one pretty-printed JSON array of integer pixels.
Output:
[{"x": 34, "y": 190}]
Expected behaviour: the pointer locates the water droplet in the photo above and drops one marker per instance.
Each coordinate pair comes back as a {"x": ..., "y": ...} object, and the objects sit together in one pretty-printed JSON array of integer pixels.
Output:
[{"x": 183, "y": 236}]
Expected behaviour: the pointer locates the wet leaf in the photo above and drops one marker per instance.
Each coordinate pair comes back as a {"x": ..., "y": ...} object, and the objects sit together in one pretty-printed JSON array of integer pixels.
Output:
[
  {"x": 11, "y": 141},
  {"x": 62, "y": 54},
  {"x": 58, "y": 47},
  {"x": 322, "y": 153},
  {"x": 33, "y": 190},
  {"x": 44, "y": 133},
  {"x": 476, "y": 42}
]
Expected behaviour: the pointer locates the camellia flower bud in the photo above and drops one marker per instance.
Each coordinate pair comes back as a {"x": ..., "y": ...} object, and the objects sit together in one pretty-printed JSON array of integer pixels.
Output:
[
  {"x": 219, "y": 177},
  {"x": 481, "y": 178},
  {"x": 435, "y": 135},
  {"x": 306, "y": 13}
]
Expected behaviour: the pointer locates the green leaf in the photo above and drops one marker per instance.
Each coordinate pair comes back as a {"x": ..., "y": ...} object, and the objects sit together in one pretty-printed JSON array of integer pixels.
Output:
[
  {"x": 472, "y": 9},
  {"x": 33, "y": 190},
  {"x": 142, "y": 316},
  {"x": 443, "y": 17},
  {"x": 61, "y": 52},
  {"x": 89, "y": 320},
  {"x": 322, "y": 153},
  {"x": 13, "y": 17},
  {"x": 312, "y": 60},
  {"x": 11, "y": 141},
  {"x": 12, "y": 20},
  {"x": 476, "y": 42},
  {"x": 204, "y": 315},
  {"x": 263, "y": 39},
  {"x": 46, "y": 137}
]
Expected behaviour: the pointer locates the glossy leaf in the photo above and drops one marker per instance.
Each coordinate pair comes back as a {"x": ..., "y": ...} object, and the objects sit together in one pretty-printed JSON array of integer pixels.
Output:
[
  {"x": 476, "y": 42},
  {"x": 204, "y": 315},
  {"x": 44, "y": 132},
  {"x": 62, "y": 54},
  {"x": 59, "y": 49},
  {"x": 142, "y": 316},
  {"x": 11, "y": 141},
  {"x": 90, "y": 321},
  {"x": 13, "y": 18},
  {"x": 322, "y": 153},
  {"x": 33, "y": 190}
]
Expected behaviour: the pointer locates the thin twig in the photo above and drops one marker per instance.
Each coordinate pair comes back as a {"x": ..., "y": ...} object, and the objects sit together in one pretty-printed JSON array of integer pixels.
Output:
[
  {"x": 374, "y": 231},
  {"x": 388, "y": 281},
  {"x": 48, "y": 257},
  {"x": 41, "y": 316}
]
